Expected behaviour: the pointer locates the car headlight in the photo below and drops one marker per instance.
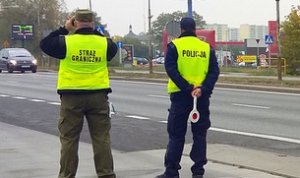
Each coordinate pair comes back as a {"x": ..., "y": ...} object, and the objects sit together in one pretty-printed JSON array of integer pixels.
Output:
[
  {"x": 34, "y": 61},
  {"x": 13, "y": 62}
]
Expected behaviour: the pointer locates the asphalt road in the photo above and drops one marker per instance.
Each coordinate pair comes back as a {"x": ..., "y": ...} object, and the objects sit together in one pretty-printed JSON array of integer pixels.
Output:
[{"x": 253, "y": 119}]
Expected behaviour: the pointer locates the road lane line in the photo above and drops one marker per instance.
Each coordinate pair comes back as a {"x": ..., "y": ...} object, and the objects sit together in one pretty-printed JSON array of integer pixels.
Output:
[
  {"x": 257, "y": 91},
  {"x": 270, "y": 137},
  {"x": 250, "y": 106},
  {"x": 138, "y": 117},
  {"x": 5, "y": 96},
  {"x": 54, "y": 103},
  {"x": 37, "y": 100},
  {"x": 19, "y": 97}
]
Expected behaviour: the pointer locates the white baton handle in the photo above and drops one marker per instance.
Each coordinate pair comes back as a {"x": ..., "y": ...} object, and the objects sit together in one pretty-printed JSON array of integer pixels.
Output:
[{"x": 194, "y": 114}]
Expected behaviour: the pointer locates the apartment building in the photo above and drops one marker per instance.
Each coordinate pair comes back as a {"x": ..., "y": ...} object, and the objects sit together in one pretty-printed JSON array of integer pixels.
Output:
[{"x": 245, "y": 31}]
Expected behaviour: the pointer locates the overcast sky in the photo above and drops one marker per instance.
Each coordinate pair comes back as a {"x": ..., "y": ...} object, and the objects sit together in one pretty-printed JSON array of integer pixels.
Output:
[{"x": 119, "y": 14}]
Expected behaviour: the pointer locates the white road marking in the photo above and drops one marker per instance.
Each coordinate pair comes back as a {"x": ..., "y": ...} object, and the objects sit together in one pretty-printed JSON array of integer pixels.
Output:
[
  {"x": 4, "y": 96},
  {"x": 159, "y": 96},
  {"x": 258, "y": 91},
  {"x": 271, "y": 137},
  {"x": 250, "y": 106},
  {"x": 277, "y": 138},
  {"x": 138, "y": 117},
  {"x": 19, "y": 97},
  {"x": 37, "y": 100},
  {"x": 54, "y": 103}
]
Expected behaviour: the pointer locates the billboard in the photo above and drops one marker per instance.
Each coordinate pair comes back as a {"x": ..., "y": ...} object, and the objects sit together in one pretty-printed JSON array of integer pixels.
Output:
[
  {"x": 129, "y": 51},
  {"x": 273, "y": 48},
  {"x": 22, "y": 32}
]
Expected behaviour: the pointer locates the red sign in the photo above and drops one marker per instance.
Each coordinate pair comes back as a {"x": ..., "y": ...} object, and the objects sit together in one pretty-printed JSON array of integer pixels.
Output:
[
  {"x": 273, "y": 26},
  {"x": 205, "y": 35}
]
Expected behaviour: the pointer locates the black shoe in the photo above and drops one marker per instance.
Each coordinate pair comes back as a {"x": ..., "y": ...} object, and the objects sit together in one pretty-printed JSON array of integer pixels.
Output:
[
  {"x": 197, "y": 176},
  {"x": 164, "y": 176}
]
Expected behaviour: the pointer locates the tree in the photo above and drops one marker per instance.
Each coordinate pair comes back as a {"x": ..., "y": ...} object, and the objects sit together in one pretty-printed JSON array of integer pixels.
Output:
[
  {"x": 161, "y": 21},
  {"x": 290, "y": 41},
  {"x": 44, "y": 15}
]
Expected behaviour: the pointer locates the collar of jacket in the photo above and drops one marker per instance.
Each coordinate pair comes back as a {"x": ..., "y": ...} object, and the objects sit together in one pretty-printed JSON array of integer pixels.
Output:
[
  {"x": 187, "y": 33},
  {"x": 87, "y": 31}
]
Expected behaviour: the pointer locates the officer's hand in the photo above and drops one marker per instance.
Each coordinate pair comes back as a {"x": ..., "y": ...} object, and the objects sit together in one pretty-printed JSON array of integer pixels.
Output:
[
  {"x": 196, "y": 92},
  {"x": 69, "y": 25}
]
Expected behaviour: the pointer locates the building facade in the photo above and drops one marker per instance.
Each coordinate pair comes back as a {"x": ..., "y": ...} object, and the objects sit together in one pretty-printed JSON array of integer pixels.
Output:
[{"x": 245, "y": 31}]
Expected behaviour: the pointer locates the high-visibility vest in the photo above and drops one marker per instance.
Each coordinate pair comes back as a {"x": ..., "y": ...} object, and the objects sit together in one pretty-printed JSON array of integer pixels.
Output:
[
  {"x": 192, "y": 62},
  {"x": 85, "y": 64}
]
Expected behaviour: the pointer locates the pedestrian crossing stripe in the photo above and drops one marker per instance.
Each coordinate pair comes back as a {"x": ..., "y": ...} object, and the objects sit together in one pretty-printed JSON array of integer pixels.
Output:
[{"x": 269, "y": 39}]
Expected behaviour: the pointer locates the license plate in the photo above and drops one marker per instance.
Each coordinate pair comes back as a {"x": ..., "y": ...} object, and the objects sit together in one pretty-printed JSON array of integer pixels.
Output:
[{"x": 25, "y": 66}]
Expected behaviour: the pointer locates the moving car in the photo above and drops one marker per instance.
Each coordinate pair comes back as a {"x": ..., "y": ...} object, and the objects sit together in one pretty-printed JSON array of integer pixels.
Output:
[{"x": 17, "y": 59}]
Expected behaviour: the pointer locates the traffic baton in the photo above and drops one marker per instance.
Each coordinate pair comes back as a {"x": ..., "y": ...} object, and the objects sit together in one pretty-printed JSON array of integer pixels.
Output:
[{"x": 194, "y": 114}]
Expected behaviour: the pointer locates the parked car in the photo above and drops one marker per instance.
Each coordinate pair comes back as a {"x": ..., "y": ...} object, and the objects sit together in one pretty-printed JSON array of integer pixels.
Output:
[
  {"x": 141, "y": 60},
  {"x": 17, "y": 59},
  {"x": 159, "y": 60}
]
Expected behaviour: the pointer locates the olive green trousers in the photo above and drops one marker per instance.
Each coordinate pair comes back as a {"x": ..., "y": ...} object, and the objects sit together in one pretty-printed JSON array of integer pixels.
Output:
[{"x": 95, "y": 108}]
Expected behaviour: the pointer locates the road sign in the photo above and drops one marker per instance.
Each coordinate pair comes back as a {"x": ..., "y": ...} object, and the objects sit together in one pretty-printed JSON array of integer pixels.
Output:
[
  {"x": 269, "y": 39},
  {"x": 5, "y": 44},
  {"x": 246, "y": 58},
  {"x": 100, "y": 28},
  {"x": 173, "y": 28},
  {"x": 22, "y": 32},
  {"x": 120, "y": 44}
]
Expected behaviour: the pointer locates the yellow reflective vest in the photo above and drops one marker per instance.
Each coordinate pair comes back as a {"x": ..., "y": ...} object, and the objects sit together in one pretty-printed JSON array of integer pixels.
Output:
[
  {"x": 85, "y": 64},
  {"x": 192, "y": 62}
]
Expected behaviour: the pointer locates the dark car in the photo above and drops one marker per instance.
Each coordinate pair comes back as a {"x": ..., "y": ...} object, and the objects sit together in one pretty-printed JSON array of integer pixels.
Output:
[
  {"x": 17, "y": 59},
  {"x": 141, "y": 60}
]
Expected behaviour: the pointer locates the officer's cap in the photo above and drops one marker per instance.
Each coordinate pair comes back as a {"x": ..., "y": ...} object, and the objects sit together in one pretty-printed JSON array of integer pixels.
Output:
[
  {"x": 188, "y": 24},
  {"x": 84, "y": 15}
]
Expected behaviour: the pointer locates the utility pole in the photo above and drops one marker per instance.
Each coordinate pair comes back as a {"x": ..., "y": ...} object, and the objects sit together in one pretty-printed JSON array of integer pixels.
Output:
[
  {"x": 90, "y": 1},
  {"x": 190, "y": 9},
  {"x": 279, "y": 63},
  {"x": 150, "y": 51},
  {"x": 257, "y": 53}
]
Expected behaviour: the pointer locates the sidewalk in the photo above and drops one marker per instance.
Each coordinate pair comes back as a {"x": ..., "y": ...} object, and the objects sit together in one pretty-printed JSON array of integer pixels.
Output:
[{"x": 26, "y": 153}]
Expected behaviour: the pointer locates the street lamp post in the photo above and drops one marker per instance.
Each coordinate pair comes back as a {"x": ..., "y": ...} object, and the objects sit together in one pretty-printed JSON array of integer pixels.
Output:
[
  {"x": 279, "y": 65},
  {"x": 90, "y": 2},
  {"x": 150, "y": 50},
  {"x": 190, "y": 9}
]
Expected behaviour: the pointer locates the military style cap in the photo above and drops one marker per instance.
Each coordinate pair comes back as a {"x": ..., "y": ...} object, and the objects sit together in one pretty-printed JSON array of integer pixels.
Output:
[
  {"x": 188, "y": 24},
  {"x": 84, "y": 15}
]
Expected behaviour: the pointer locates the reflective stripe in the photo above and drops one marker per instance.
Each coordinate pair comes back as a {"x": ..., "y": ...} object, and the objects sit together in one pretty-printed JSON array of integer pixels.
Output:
[
  {"x": 192, "y": 62},
  {"x": 85, "y": 65}
]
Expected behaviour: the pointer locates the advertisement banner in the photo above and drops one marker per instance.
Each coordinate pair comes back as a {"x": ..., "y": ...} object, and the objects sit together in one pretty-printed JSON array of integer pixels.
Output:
[
  {"x": 246, "y": 58},
  {"x": 273, "y": 32},
  {"x": 22, "y": 32},
  {"x": 129, "y": 53}
]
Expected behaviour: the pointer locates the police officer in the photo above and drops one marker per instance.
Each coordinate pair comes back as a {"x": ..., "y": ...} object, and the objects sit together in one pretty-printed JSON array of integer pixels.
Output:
[
  {"x": 83, "y": 86},
  {"x": 193, "y": 71}
]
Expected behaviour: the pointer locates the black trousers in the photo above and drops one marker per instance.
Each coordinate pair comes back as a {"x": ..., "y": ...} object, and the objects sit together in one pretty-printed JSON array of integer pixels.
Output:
[{"x": 181, "y": 105}]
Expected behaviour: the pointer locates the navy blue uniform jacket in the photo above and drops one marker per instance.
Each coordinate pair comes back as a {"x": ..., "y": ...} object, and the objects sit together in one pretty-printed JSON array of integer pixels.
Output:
[{"x": 186, "y": 89}]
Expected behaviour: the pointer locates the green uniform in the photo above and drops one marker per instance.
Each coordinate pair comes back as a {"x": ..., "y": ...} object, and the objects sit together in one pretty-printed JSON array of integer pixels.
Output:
[{"x": 83, "y": 73}]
